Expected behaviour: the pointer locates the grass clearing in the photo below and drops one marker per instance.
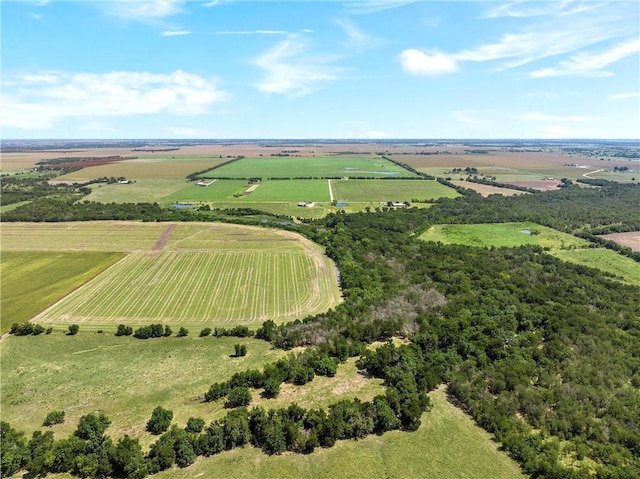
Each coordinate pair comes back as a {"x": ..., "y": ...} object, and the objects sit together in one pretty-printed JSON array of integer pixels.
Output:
[
  {"x": 122, "y": 376},
  {"x": 140, "y": 191},
  {"x": 389, "y": 190},
  {"x": 318, "y": 167},
  {"x": 447, "y": 445},
  {"x": 605, "y": 260},
  {"x": 503, "y": 235},
  {"x": 32, "y": 281}
]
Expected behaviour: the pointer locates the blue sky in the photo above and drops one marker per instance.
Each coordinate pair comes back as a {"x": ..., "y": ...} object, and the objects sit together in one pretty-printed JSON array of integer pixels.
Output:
[{"x": 361, "y": 69}]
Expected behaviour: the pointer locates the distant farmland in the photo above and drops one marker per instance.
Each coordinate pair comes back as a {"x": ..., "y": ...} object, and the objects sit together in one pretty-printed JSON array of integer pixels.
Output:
[
  {"x": 389, "y": 190},
  {"x": 317, "y": 167},
  {"x": 189, "y": 273}
]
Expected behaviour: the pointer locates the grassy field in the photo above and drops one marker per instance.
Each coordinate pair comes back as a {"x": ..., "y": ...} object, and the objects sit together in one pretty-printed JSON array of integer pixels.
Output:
[
  {"x": 31, "y": 281},
  {"x": 202, "y": 288},
  {"x": 149, "y": 167},
  {"x": 389, "y": 190},
  {"x": 189, "y": 273},
  {"x": 605, "y": 260},
  {"x": 126, "y": 378},
  {"x": 141, "y": 191},
  {"x": 503, "y": 234},
  {"x": 448, "y": 445},
  {"x": 320, "y": 167},
  {"x": 122, "y": 376}
]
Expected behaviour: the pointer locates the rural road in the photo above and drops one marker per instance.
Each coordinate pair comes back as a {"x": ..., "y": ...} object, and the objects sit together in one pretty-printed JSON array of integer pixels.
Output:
[{"x": 586, "y": 175}]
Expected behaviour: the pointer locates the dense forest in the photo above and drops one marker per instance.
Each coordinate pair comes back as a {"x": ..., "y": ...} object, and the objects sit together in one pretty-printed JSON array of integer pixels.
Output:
[{"x": 542, "y": 353}]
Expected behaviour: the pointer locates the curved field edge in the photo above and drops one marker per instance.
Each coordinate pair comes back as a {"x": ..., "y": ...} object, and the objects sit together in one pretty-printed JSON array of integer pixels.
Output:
[
  {"x": 194, "y": 274},
  {"x": 623, "y": 268},
  {"x": 32, "y": 281}
]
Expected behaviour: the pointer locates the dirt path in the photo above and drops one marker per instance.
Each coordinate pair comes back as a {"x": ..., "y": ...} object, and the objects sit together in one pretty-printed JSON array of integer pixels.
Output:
[
  {"x": 164, "y": 237},
  {"x": 586, "y": 175}
]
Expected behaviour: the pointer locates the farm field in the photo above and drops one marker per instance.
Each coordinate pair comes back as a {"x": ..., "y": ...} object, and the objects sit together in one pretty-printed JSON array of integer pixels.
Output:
[
  {"x": 113, "y": 375},
  {"x": 207, "y": 288},
  {"x": 447, "y": 445},
  {"x": 188, "y": 273},
  {"x": 148, "y": 167},
  {"x": 486, "y": 190},
  {"x": 605, "y": 260},
  {"x": 140, "y": 191},
  {"x": 630, "y": 239},
  {"x": 503, "y": 234},
  {"x": 319, "y": 167},
  {"x": 389, "y": 190},
  {"x": 31, "y": 281}
]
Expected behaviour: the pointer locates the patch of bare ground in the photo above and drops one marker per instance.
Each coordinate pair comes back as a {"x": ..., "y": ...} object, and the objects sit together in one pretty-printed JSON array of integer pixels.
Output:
[
  {"x": 630, "y": 239},
  {"x": 541, "y": 185},
  {"x": 486, "y": 190}
]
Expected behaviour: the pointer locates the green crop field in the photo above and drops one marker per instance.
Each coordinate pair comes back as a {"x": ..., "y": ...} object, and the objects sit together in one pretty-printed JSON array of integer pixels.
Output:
[
  {"x": 389, "y": 190},
  {"x": 503, "y": 234},
  {"x": 140, "y": 191},
  {"x": 448, "y": 445},
  {"x": 605, "y": 260},
  {"x": 31, "y": 281},
  {"x": 190, "y": 273},
  {"x": 320, "y": 167},
  {"x": 211, "y": 288}
]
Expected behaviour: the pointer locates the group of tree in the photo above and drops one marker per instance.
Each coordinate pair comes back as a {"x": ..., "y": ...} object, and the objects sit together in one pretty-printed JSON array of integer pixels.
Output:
[{"x": 156, "y": 330}]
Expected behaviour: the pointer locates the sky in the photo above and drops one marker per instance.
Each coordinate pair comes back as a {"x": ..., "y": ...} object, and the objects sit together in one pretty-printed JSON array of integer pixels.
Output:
[{"x": 369, "y": 69}]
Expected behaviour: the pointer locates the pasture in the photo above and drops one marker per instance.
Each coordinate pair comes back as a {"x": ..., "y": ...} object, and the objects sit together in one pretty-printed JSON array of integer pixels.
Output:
[
  {"x": 605, "y": 260},
  {"x": 447, "y": 445},
  {"x": 126, "y": 378},
  {"x": 389, "y": 190},
  {"x": 31, "y": 281},
  {"x": 188, "y": 273},
  {"x": 313, "y": 166},
  {"x": 502, "y": 234}
]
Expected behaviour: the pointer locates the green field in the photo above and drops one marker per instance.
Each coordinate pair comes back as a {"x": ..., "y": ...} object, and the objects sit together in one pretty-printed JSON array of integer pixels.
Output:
[
  {"x": 605, "y": 260},
  {"x": 126, "y": 378},
  {"x": 208, "y": 288},
  {"x": 31, "y": 281},
  {"x": 319, "y": 167},
  {"x": 448, "y": 445},
  {"x": 389, "y": 190},
  {"x": 503, "y": 234},
  {"x": 140, "y": 191},
  {"x": 189, "y": 273},
  {"x": 121, "y": 376}
]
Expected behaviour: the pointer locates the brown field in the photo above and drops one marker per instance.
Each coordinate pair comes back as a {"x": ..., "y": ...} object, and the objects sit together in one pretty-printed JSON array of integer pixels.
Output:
[
  {"x": 486, "y": 190},
  {"x": 541, "y": 185},
  {"x": 16, "y": 161},
  {"x": 631, "y": 239}
]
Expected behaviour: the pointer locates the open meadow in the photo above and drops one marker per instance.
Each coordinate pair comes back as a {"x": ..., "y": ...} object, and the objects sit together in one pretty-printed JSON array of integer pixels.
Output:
[
  {"x": 314, "y": 166},
  {"x": 502, "y": 234},
  {"x": 125, "y": 378},
  {"x": 188, "y": 273},
  {"x": 619, "y": 266},
  {"x": 378, "y": 191}
]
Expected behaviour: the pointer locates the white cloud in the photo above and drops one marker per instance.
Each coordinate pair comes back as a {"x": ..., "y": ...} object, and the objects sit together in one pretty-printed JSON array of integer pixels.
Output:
[
  {"x": 51, "y": 97},
  {"x": 624, "y": 96},
  {"x": 357, "y": 38},
  {"x": 145, "y": 10},
  {"x": 373, "y": 6},
  {"x": 416, "y": 62},
  {"x": 591, "y": 64},
  {"x": 524, "y": 9},
  {"x": 253, "y": 32},
  {"x": 544, "y": 117},
  {"x": 175, "y": 33},
  {"x": 290, "y": 69}
]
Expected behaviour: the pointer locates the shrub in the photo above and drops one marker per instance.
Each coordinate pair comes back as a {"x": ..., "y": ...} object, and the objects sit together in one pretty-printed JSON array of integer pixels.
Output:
[
  {"x": 205, "y": 332},
  {"x": 54, "y": 417},
  {"x": 160, "y": 420},
  {"x": 73, "y": 330}
]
